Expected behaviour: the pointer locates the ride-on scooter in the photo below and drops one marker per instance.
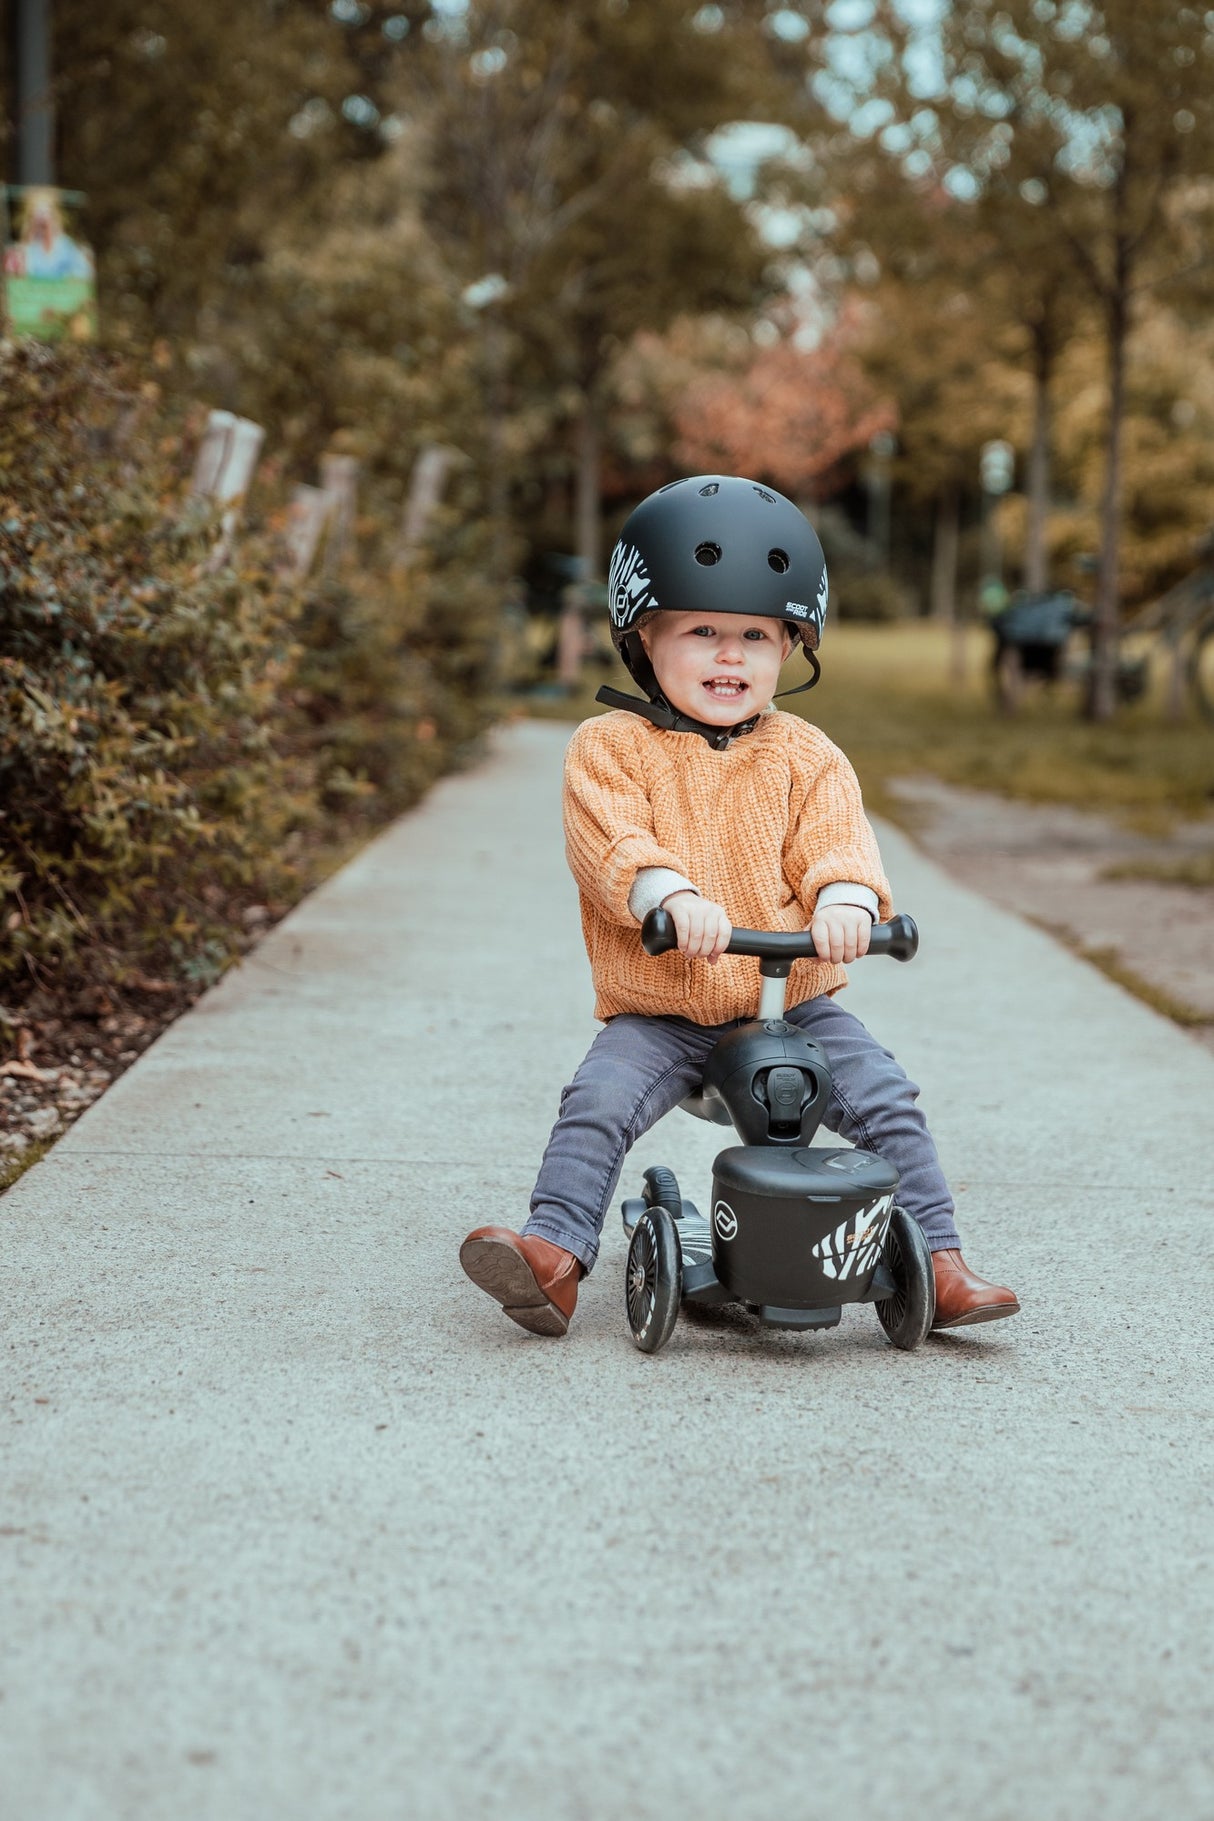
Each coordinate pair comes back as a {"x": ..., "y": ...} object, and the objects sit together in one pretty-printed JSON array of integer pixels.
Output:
[{"x": 795, "y": 1231}]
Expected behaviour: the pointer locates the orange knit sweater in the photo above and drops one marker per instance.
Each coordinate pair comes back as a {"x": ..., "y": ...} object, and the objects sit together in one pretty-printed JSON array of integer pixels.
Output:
[{"x": 760, "y": 828}]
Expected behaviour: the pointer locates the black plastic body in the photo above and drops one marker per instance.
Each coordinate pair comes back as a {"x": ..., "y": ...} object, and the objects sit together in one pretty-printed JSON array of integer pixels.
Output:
[
  {"x": 799, "y": 1228},
  {"x": 738, "y": 1076}
]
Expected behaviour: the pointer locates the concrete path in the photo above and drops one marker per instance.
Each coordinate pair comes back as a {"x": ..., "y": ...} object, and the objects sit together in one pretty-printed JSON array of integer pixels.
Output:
[{"x": 293, "y": 1524}]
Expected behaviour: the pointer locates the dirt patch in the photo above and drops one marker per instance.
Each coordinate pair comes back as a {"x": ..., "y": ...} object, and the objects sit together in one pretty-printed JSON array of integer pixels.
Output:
[
  {"x": 1050, "y": 863},
  {"x": 57, "y": 1058}
]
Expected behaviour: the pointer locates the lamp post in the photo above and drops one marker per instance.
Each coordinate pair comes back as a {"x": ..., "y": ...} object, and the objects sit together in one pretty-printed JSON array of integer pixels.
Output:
[
  {"x": 881, "y": 451},
  {"x": 997, "y": 466},
  {"x": 34, "y": 113}
]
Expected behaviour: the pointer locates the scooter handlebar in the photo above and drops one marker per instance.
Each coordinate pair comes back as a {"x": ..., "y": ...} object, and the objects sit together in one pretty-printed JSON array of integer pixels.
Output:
[{"x": 898, "y": 938}]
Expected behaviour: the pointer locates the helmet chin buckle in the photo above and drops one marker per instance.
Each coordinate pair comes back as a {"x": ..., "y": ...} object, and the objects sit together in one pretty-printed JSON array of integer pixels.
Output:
[{"x": 663, "y": 715}]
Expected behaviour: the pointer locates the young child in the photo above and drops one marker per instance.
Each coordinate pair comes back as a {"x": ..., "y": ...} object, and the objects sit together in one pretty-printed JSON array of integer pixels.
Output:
[{"x": 705, "y": 799}]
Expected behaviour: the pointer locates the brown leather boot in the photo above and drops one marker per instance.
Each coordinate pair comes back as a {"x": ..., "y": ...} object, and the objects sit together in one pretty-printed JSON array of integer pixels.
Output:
[
  {"x": 535, "y": 1281},
  {"x": 963, "y": 1298}
]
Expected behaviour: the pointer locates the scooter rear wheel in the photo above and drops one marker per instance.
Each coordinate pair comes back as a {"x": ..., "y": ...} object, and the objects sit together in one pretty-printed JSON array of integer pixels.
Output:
[
  {"x": 907, "y": 1315},
  {"x": 653, "y": 1279}
]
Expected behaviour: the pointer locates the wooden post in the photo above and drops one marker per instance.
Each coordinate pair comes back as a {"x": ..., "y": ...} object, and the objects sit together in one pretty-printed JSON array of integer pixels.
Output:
[
  {"x": 223, "y": 472},
  {"x": 306, "y": 516},
  {"x": 212, "y": 454},
  {"x": 338, "y": 481},
  {"x": 426, "y": 484}
]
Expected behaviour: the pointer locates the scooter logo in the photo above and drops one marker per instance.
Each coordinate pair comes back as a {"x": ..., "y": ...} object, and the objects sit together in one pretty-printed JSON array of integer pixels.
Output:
[
  {"x": 724, "y": 1220},
  {"x": 854, "y": 1246}
]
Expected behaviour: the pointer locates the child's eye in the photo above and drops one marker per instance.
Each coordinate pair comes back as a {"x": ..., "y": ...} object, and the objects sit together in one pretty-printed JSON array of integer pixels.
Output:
[{"x": 754, "y": 632}]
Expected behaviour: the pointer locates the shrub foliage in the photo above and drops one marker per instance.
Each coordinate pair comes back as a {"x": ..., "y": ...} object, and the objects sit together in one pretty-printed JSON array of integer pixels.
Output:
[{"x": 182, "y": 739}]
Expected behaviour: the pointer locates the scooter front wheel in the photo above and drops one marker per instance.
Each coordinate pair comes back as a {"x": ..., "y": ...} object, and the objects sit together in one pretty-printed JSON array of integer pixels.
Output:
[
  {"x": 907, "y": 1316},
  {"x": 653, "y": 1279}
]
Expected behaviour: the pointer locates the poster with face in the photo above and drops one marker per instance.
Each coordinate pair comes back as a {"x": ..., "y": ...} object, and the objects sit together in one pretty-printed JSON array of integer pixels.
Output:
[{"x": 50, "y": 289}]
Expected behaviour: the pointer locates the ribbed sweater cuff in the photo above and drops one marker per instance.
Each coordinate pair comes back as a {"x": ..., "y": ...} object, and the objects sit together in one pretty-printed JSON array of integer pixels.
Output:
[
  {"x": 862, "y": 896},
  {"x": 652, "y": 886}
]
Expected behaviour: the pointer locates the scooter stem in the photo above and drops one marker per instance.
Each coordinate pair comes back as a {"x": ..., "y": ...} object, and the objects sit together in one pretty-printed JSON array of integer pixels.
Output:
[{"x": 772, "y": 994}]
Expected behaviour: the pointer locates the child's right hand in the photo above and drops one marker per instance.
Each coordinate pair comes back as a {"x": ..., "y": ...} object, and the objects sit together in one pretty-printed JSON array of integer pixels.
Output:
[{"x": 702, "y": 927}]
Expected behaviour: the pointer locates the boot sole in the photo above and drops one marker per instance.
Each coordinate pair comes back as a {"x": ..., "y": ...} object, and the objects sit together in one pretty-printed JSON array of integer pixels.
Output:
[
  {"x": 996, "y": 1312},
  {"x": 505, "y": 1275}
]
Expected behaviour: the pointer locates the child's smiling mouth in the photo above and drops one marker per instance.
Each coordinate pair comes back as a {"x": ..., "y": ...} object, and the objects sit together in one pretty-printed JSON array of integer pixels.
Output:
[{"x": 726, "y": 688}]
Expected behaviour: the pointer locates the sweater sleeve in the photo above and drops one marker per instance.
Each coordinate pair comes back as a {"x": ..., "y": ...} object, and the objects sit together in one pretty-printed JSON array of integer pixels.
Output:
[
  {"x": 829, "y": 836},
  {"x": 609, "y": 834}
]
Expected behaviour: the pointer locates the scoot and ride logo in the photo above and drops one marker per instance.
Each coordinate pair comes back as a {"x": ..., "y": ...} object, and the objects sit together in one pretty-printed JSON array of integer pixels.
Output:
[{"x": 724, "y": 1220}]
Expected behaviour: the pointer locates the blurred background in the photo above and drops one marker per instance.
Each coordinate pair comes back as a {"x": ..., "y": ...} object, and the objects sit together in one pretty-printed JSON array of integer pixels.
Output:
[{"x": 341, "y": 338}]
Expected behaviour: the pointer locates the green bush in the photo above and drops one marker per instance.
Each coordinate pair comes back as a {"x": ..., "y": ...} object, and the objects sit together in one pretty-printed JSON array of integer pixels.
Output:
[{"x": 180, "y": 741}]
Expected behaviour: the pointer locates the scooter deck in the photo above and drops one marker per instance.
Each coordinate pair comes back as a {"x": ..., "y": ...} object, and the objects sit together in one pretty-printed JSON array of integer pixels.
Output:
[
  {"x": 695, "y": 1235},
  {"x": 700, "y": 1283}
]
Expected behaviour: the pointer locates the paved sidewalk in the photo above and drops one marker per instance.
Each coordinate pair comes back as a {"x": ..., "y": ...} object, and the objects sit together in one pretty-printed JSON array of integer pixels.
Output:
[{"x": 293, "y": 1524}]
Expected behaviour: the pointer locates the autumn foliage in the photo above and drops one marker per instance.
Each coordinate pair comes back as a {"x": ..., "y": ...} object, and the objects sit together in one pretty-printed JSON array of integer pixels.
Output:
[{"x": 793, "y": 416}]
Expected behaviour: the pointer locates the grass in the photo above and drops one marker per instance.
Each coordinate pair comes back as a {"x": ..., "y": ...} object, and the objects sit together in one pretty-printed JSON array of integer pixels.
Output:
[
  {"x": 16, "y": 1163},
  {"x": 886, "y": 698},
  {"x": 1196, "y": 870}
]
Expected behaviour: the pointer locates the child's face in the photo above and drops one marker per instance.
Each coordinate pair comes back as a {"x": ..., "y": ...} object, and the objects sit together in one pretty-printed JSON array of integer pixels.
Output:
[{"x": 718, "y": 668}]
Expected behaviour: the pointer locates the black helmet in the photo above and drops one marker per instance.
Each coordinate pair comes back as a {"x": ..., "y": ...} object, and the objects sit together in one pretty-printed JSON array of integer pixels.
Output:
[{"x": 716, "y": 543}]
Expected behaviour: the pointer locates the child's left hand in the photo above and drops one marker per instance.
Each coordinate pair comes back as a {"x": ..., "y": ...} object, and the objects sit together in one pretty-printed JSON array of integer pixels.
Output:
[{"x": 841, "y": 932}]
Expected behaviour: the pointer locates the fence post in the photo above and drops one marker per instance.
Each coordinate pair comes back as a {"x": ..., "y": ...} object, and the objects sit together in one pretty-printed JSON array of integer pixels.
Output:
[
  {"x": 223, "y": 472},
  {"x": 426, "y": 484},
  {"x": 306, "y": 516},
  {"x": 338, "y": 482}
]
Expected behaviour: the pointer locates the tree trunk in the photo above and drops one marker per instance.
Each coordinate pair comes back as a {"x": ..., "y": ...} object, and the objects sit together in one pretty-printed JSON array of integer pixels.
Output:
[
  {"x": 589, "y": 458},
  {"x": 944, "y": 556},
  {"x": 1102, "y": 702},
  {"x": 497, "y": 491},
  {"x": 1036, "y": 560}
]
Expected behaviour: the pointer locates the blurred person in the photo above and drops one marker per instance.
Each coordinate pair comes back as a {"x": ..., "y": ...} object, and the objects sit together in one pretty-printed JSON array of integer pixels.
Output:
[
  {"x": 44, "y": 248},
  {"x": 706, "y": 799}
]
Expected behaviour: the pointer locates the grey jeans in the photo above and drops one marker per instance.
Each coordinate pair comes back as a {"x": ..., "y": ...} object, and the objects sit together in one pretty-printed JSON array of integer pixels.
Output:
[{"x": 638, "y": 1068}]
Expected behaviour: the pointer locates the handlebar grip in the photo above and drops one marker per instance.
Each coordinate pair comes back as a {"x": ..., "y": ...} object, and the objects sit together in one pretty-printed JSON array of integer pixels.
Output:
[
  {"x": 899, "y": 938},
  {"x": 657, "y": 932}
]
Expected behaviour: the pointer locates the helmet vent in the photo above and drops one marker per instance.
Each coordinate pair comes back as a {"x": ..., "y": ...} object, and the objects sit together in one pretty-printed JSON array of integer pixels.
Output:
[
  {"x": 764, "y": 495},
  {"x": 777, "y": 560},
  {"x": 708, "y": 491},
  {"x": 708, "y": 554}
]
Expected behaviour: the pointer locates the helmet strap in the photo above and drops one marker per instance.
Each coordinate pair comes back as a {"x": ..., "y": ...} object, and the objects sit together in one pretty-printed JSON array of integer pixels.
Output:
[
  {"x": 663, "y": 715},
  {"x": 810, "y": 659}
]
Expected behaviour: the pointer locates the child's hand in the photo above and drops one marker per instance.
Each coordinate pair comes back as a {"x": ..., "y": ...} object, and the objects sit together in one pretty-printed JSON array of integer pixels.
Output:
[
  {"x": 702, "y": 927},
  {"x": 841, "y": 932}
]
